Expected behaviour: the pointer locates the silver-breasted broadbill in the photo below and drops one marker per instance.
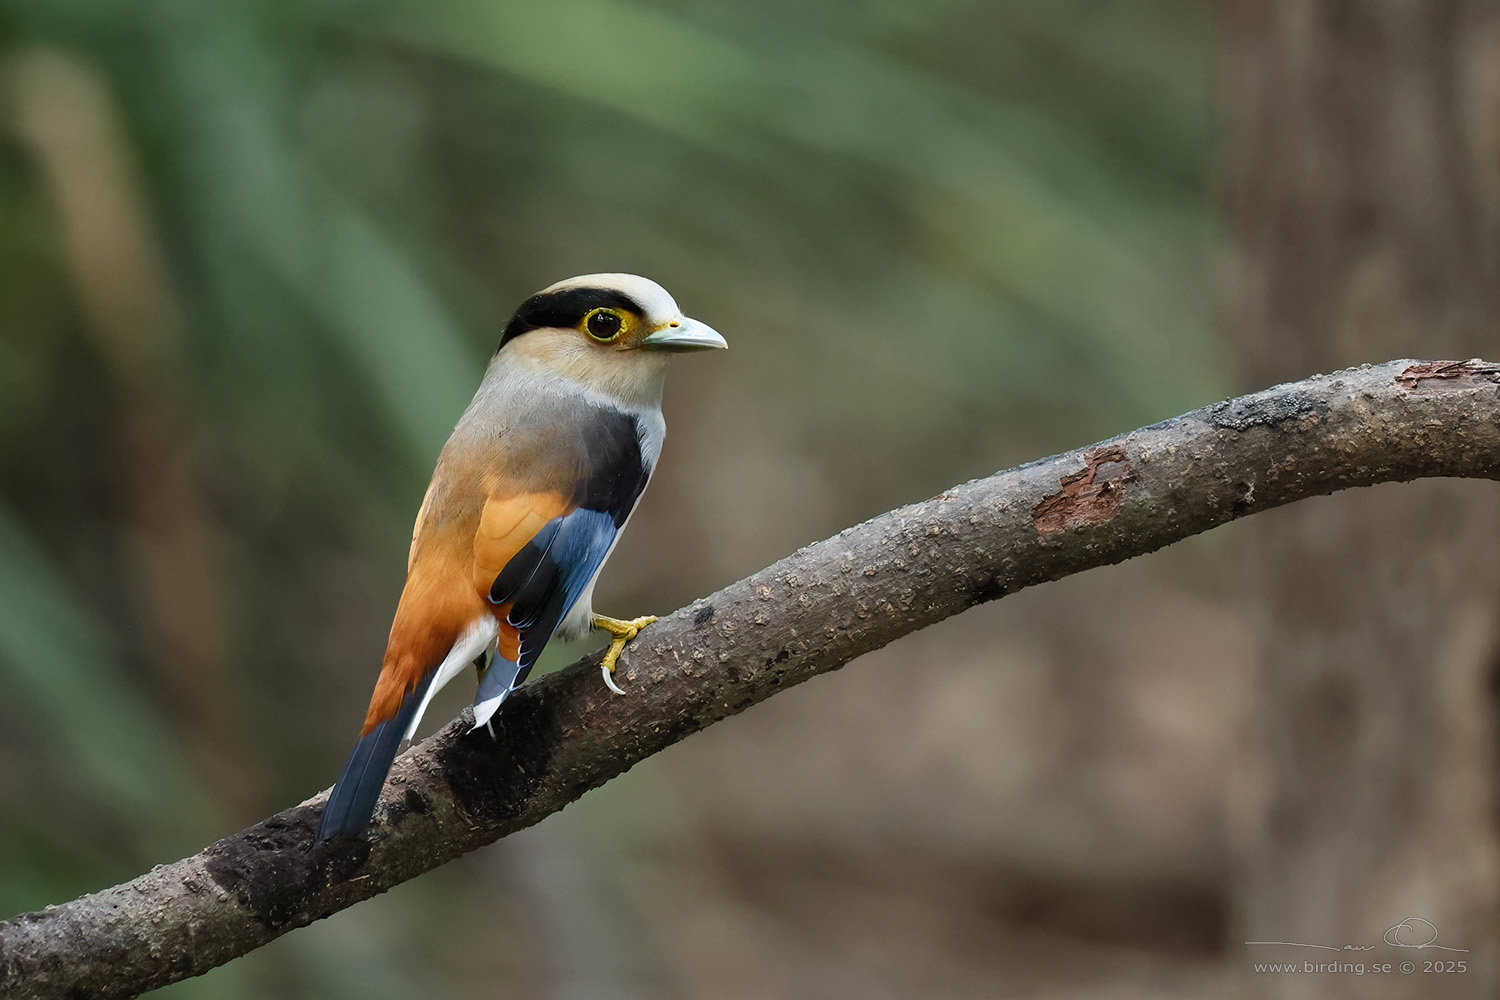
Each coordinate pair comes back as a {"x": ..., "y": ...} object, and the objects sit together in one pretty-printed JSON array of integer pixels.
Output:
[{"x": 529, "y": 496}]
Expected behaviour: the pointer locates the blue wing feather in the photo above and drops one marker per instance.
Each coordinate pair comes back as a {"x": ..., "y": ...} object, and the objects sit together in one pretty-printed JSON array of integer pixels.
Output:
[{"x": 541, "y": 583}]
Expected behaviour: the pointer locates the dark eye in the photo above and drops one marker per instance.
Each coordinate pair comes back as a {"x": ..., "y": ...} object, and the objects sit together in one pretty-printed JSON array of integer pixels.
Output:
[{"x": 603, "y": 324}]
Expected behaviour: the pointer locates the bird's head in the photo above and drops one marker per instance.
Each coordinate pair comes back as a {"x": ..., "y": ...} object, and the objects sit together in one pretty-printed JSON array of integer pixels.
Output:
[{"x": 613, "y": 332}]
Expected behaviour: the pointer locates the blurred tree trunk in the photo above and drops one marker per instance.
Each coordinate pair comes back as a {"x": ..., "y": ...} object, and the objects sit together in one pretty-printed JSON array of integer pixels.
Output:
[{"x": 1361, "y": 177}]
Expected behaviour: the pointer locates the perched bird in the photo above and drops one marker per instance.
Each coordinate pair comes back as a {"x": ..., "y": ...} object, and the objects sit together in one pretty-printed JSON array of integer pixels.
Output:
[{"x": 529, "y": 496}]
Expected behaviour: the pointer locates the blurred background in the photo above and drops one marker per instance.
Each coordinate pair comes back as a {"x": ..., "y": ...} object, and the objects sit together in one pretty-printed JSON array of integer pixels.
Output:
[{"x": 254, "y": 255}]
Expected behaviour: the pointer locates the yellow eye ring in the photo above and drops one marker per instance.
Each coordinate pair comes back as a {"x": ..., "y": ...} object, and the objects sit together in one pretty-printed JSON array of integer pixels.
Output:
[{"x": 603, "y": 325}]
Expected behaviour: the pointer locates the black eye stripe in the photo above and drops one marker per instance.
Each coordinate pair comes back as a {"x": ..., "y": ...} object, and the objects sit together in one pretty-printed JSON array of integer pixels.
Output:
[{"x": 564, "y": 308}]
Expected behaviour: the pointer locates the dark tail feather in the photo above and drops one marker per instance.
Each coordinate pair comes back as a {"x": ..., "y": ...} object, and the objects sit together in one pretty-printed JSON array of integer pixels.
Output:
[{"x": 352, "y": 801}]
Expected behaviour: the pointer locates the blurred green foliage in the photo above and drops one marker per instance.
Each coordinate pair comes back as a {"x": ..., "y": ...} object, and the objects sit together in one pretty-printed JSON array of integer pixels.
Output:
[{"x": 939, "y": 237}]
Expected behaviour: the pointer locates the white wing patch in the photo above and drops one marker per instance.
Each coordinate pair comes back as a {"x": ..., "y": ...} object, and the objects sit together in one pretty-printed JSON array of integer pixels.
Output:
[{"x": 471, "y": 642}]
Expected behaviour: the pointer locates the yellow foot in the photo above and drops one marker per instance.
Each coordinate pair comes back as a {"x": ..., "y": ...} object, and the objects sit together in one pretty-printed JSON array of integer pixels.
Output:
[{"x": 623, "y": 632}]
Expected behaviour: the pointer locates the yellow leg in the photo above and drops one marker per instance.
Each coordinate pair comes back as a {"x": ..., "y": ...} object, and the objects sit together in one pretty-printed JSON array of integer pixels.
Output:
[{"x": 621, "y": 632}]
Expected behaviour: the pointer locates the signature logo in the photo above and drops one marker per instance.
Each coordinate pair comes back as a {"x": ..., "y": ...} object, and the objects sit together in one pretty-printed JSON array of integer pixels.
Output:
[{"x": 1413, "y": 932}]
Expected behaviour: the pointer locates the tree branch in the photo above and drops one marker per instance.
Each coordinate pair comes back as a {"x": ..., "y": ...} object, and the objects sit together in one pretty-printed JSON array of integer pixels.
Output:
[{"x": 811, "y": 612}]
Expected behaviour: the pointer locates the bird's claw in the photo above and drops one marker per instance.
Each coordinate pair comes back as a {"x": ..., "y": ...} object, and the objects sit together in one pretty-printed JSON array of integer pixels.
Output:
[{"x": 621, "y": 633}]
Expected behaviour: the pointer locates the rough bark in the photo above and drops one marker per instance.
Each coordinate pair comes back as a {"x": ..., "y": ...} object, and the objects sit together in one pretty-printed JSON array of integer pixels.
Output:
[
  {"x": 1362, "y": 186},
  {"x": 809, "y": 613}
]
